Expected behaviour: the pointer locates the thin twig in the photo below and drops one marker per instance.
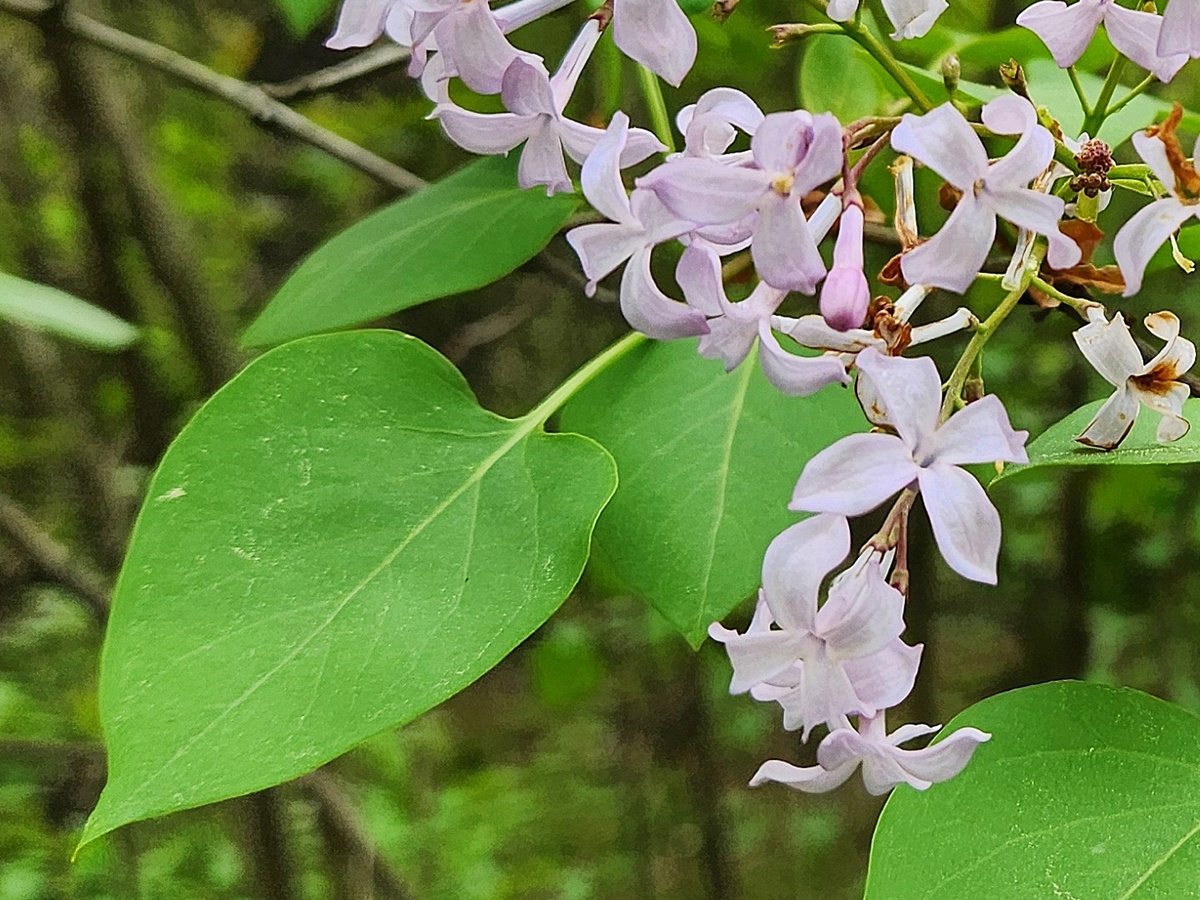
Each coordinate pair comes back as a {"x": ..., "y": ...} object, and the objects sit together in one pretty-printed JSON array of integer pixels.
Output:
[
  {"x": 261, "y": 106},
  {"x": 339, "y": 74},
  {"x": 54, "y": 560}
]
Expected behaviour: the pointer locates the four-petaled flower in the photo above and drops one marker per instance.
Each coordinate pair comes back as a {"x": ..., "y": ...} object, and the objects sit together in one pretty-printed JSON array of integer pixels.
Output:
[
  {"x": 822, "y": 664},
  {"x": 1112, "y": 350},
  {"x": 859, "y": 472},
  {"x": 945, "y": 141}
]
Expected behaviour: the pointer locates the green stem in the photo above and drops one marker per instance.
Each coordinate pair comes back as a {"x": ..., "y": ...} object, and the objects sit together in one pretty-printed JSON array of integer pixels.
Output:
[
  {"x": 883, "y": 56},
  {"x": 1095, "y": 119},
  {"x": 659, "y": 118},
  {"x": 1083, "y": 100},
  {"x": 1133, "y": 94},
  {"x": 1080, "y": 304},
  {"x": 541, "y": 413}
]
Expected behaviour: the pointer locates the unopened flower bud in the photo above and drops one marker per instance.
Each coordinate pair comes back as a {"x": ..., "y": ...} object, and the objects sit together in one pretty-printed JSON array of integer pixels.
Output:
[
  {"x": 845, "y": 295},
  {"x": 951, "y": 72},
  {"x": 1013, "y": 76}
]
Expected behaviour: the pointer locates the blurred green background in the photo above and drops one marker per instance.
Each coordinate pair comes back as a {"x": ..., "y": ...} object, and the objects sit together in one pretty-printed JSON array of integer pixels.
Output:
[{"x": 602, "y": 759}]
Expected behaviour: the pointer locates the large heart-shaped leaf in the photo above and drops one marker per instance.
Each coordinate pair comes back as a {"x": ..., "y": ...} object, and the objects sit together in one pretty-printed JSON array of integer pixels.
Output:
[
  {"x": 1056, "y": 446},
  {"x": 48, "y": 309},
  {"x": 340, "y": 539},
  {"x": 457, "y": 235},
  {"x": 708, "y": 461},
  {"x": 1083, "y": 791}
]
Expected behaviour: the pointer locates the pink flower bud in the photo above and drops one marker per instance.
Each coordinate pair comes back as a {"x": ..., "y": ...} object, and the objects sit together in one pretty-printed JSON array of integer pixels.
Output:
[{"x": 845, "y": 295}]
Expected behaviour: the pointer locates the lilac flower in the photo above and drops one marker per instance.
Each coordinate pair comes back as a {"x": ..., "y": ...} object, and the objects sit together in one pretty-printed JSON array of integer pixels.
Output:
[
  {"x": 1180, "y": 29},
  {"x": 734, "y": 327},
  {"x": 536, "y": 103},
  {"x": 885, "y": 763},
  {"x": 1112, "y": 350},
  {"x": 657, "y": 34},
  {"x": 845, "y": 295},
  {"x": 945, "y": 141},
  {"x": 1067, "y": 31},
  {"x": 859, "y": 472},
  {"x": 821, "y": 665},
  {"x": 639, "y": 223},
  {"x": 910, "y": 18},
  {"x": 793, "y": 153},
  {"x": 1152, "y": 225},
  {"x": 360, "y": 23},
  {"x": 711, "y": 124}
]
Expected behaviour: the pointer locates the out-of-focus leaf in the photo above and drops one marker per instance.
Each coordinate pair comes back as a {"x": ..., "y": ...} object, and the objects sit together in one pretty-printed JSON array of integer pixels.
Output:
[
  {"x": 707, "y": 464},
  {"x": 339, "y": 540},
  {"x": 302, "y": 16},
  {"x": 1083, "y": 791},
  {"x": 48, "y": 309},
  {"x": 827, "y": 85},
  {"x": 457, "y": 235},
  {"x": 1056, "y": 446}
]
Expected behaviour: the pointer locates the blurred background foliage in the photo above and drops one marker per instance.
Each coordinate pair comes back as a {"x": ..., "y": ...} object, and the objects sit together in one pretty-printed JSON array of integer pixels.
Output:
[{"x": 602, "y": 759}]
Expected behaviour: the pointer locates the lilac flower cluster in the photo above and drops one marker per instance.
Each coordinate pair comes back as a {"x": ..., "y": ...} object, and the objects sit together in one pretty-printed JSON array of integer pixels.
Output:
[{"x": 839, "y": 662}]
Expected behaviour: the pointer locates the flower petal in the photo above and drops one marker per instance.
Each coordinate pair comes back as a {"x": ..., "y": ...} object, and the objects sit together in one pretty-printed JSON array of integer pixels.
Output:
[
  {"x": 1136, "y": 34},
  {"x": 1177, "y": 356},
  {"x": 911, "y": 392},
  {"x": 886, "y": 677},
  {"x": 797, "y": 376},
  {"x": 601, "y": 175},
  {"x": 783, "y": 250},
  {"x": 942, "y": 761},
  {"x": 1066, "y": 30},
  {"x": 652, "y": 312},
  {"x": 756, "y": 657},
  {"x": 705, "y": 191},
  {"x": 1167, "y": 400},
  {"x": 953, "y": 257},
  {"x": 981, "y": 433},
  {"x": 795, "y": 564},
  {"x": 965, "y": 524},
  {"x": 811, "y": 779},
  {"x": 602, "y": 246},
  {"x": 1180, "y": 29},
  {"x": 944, "y": 141},
  {"x": 1112, "y": 421},
  {"x": 1034, "y": 151},
  {"x": 482, "y": 54},
  {"x": 1040, "y": 213},
  {"x": 1110, "y": 348},
  {"x": 485, "y": 133},
  {"x": 913, "y": 18},
  {"x": 698, "y": 274},
  {"x": 862, "y": 614},
  {"x": 855, "y": 475},
  {"x": 1146, "y": 231},
  {"x": 360, "y": 23},
  {"x": 657, "y": 34},
  {"x": 542, "y": 160}
]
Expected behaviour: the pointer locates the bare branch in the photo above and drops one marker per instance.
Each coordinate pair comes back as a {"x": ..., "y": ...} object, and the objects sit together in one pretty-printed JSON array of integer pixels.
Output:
[
  {"x": 375, "y": 60},
  {"x": 262, "y": 107}
]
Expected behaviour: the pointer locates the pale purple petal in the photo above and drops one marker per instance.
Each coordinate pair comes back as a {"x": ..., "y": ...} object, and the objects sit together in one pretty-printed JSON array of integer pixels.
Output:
[
  {"x": 1112, "y": 421},
  {"x": 795, "y": 564},
  {"x": 1151, "y": 149},
  {"x": 965, "y": 524},
  {"x": 482, "y": 54},
  {"x": 845, "y": 295},
  {"x": 705, "y": 191},
  {"x": 756, "y": 656},
  {"x": 602, "y": 246},
  {"x": 811, "y": 780},
  {"x": 1066, "y": 30},
  {"x": 862, "y": 614},
  {"x": 542, "y": 160},
  {"x": 1181, "y": 29},
  {"x": 911, "y": 392},
  {"x": 797, "y": 376},
  {"x": 485, "y": 133},
  {"x": 841, "y": 10},
  {"x": 981, "y": 433},
  {"x": 814, "y": 332},
  {"x": 953, "y": 257},
  {"x": 526, "y": 90},
  {"x": 886, "y": 677},
  {"x": 822, "y": 160},
  {"x": 942, "y": 761},
  {"x": 782, "y": 141},
  {"x": 944, "y": 141},
  {"x": 1040, "y": 213},
  {"x": 1033, "y": 152},
  {"x": 657, "y": 34},
  {"x": 825, "y": 695},
  {"x": 913, "y": 18},
  {"x": 601, "y": 175},
  {"x": 1136, "y": 34},
  {"x": 784, "y": 252},
  {"x": 565, "y": 77},
  {"x": 698, "y": 275},
  {"x": 855, "y": 475},
  {"x": 515, "y": 15},
  {"x": 1146, "y": 231},
  {"x": 360, "y": 23},
  {"x": 579, "y": 140},
  {"x": 651, "y": 311}
]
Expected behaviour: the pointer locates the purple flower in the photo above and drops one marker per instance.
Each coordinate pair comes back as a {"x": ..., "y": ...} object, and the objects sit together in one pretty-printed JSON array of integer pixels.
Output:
[
  {"x": 945, "y": 141},
  {"x": 360, "y": 23},
  {"x": 845, "y": 295},
  {"x": 536, "y": 102},
  {"x": 910, "y": 18},
  {"x": 859, "y": 472},
  {"x": 1152, "y": 225},
  {"x": 657, "y": 34},
  {"x": 1112, "y": 350},
  {"x": 639, "y": 223},
  {"x": 793, "y": 153},
  {"x": 1067, "y": 31},
  {"x": 885, "y": 763},
  {"x": 711, "y": 124},
  {"x": 1180, "y": 29},
  {"x": 821, "y": 665},
  {"x": 733, "y": 328}
]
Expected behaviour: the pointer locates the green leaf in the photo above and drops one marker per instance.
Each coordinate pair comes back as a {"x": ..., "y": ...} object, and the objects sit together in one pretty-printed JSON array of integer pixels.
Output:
[
  {"x": 339, "y": 540},
  {"x": 1056, "y": 446},
  {"x": 48, "y": 309},
  {"x": 457, "y": 235},
  {"x": 708, "y": 461},
  {"x": 1083, "y": 791},
  {"x": 302, "y": 16},
  {"x": 827, "y": 85}
]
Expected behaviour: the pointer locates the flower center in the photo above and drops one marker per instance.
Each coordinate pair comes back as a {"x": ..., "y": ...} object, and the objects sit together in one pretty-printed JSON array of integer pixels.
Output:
[{"x": 782, "y": 184}]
